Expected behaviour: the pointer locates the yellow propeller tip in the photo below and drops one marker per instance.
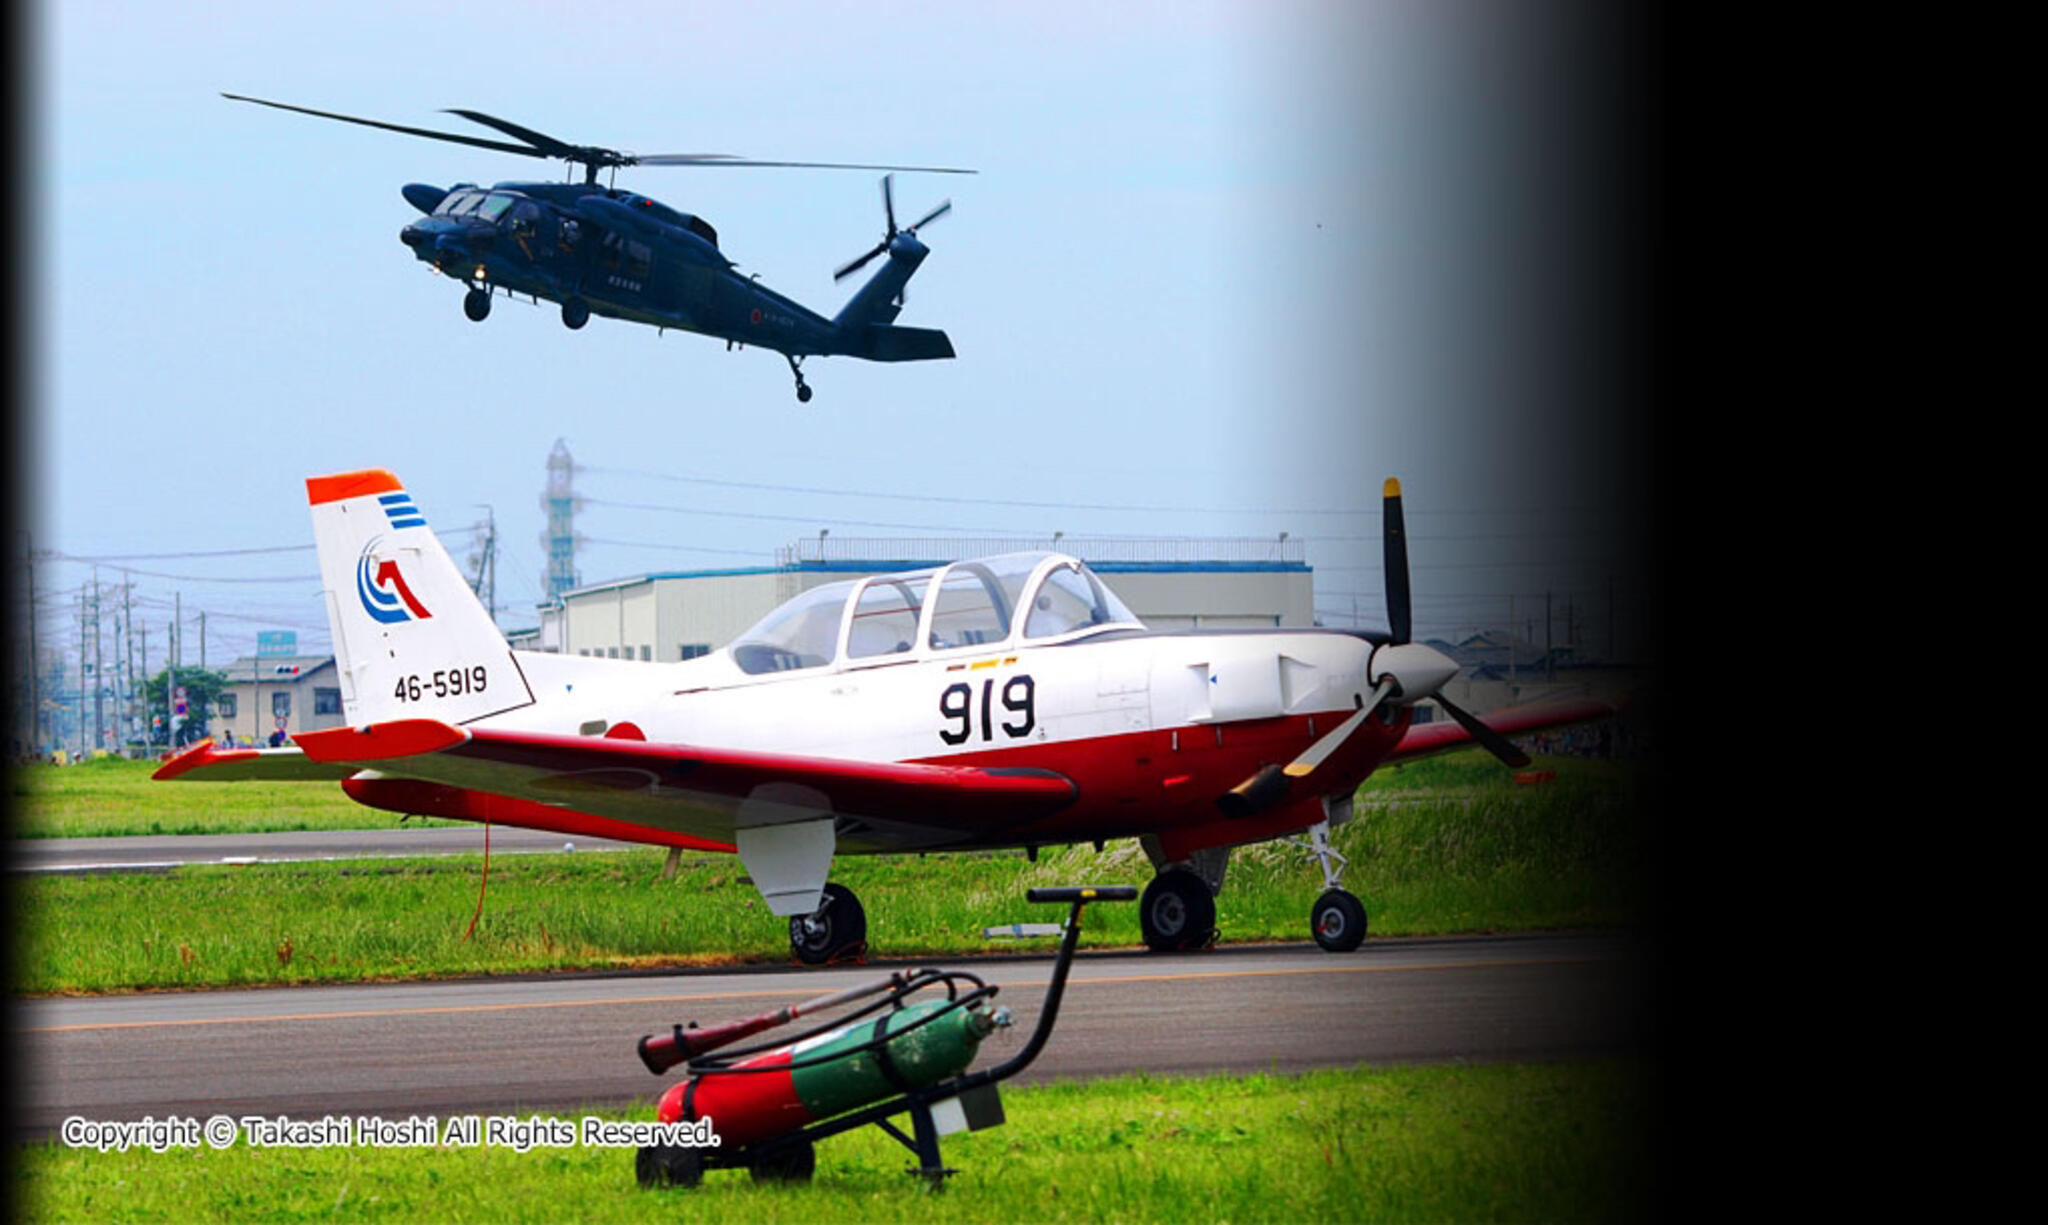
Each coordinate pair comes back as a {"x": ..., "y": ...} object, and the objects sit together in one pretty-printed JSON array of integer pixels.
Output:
[{"x": 1392, "y": 489}]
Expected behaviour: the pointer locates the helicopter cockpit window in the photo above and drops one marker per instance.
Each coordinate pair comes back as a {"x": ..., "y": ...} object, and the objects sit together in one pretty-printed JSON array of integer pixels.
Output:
[
  {"x": 494, "y": 206},
  {"x": 461, "y": 204},
  {"x": 885, "y": 617},
  {"x": 803, "y": 633},
  {"x": 1072, "y": 598}
]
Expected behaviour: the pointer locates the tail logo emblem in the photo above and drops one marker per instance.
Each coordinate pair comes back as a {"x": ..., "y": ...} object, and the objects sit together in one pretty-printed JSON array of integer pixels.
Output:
[{"x": 384, "y": 592}]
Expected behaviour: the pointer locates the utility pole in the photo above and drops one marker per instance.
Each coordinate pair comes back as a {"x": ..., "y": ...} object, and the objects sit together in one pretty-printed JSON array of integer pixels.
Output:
[
  {"x": 171, "y": 676},
  {"x": 99, "y": 712}
]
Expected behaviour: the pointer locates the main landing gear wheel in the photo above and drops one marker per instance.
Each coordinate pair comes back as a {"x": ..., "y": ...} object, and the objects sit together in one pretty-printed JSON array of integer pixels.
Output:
[
  {"x": 477, "y": 304},
  {"x": 836, "y": 931},
  {"x": 667, "y": 1165},
  {"x": 793, "y": 1164},
  {"x": 575, "y": 313},
  {"x": 796, "y": 368},
  {"x": 1177, "y": 911},
  {"x": 1338, "y": 921}
]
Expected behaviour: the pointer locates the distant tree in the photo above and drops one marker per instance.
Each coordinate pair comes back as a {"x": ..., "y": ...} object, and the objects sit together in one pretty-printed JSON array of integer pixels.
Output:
[{"x": 202, "y": 692}]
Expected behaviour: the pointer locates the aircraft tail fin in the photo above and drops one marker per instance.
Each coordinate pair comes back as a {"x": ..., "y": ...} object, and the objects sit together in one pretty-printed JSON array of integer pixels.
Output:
[{"x": 411, "y": 640}]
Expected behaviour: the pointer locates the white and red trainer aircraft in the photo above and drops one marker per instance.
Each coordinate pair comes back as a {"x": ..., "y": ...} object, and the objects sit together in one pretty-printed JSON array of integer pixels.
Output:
[{"x": 1009, "y": 701}]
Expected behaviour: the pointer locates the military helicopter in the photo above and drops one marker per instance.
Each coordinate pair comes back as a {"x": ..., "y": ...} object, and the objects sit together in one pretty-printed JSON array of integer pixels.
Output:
[{"x": 597, "y": 250}]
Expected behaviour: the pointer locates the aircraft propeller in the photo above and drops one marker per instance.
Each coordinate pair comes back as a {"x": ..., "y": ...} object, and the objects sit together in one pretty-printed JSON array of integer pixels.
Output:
[
  {"x": 889, "y": 211},
  {"x": 1406, "y": 671}
]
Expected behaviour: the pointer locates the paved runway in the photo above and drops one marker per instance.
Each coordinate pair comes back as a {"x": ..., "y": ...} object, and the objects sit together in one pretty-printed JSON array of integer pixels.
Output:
[
  {"x": 155, "y": 853},
  {"x": 554, "y": 1043}
]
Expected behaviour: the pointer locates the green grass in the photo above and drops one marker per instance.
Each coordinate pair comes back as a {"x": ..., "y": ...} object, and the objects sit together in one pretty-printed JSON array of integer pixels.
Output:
[
  {"x": 1553, "y": 1142},
  {"x": 112, "y": 796},
  {"x": 1435, "y": 849}
]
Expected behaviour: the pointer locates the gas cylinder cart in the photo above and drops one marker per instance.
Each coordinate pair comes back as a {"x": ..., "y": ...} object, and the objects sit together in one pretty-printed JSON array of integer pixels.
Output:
[{"x": 770, "y": 1104}]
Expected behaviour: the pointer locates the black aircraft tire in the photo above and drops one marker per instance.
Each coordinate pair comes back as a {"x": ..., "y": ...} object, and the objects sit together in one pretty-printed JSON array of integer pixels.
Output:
[
  {"x": 575, "y": 313},
  {"x": 840, "y": 930},
  {"x": 477, "y": 304},
  {"x": 803, "y": 393},
  {"x": 666, "y": 1165},
  {"x": 795, "y": 1164},
  {"x": 1177, "y": 911},
  {"x": 1337, "y": 921}
]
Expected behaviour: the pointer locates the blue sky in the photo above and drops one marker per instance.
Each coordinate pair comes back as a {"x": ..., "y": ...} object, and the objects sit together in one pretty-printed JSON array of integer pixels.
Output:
[{"x": 1226, "y": 265}]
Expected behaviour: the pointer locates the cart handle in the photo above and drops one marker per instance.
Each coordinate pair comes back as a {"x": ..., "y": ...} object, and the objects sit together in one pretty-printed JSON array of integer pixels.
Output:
[{"x": 1083, "y": 893}]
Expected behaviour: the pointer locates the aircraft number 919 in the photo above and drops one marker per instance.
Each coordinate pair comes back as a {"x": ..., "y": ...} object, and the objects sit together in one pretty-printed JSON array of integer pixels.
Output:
[
  {"x": 1019, "y": 697},
  {"x": 449, "y": 683}
]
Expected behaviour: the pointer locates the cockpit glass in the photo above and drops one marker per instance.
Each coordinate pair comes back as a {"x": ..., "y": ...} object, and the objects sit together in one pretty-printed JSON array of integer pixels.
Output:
[
  {"x": 460, "y": 203},
  {"x": 885, "y": 618},
  {"x": 803, "y": 633},
  {"x": 494, "y": 206},
  {"x": 972, "y": 609},
  {"x": 1072, "y": 598}
]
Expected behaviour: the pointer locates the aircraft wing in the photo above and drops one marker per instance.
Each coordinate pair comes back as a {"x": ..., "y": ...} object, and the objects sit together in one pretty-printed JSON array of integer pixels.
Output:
[
  {"x": 1441, "y": 736},
  {"x": 204, "y": 763},
  {"x": 701, "y": 792}
]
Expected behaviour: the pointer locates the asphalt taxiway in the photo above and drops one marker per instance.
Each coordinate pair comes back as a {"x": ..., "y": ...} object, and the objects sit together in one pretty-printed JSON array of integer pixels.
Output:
[{"x": 551, "y": 1043}]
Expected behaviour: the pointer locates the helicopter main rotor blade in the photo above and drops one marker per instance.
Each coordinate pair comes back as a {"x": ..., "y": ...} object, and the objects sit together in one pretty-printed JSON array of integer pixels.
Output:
[
  {"x": 539, "y": 140},
  {"x": 944, "y": 207},
  {"x": 451, "y": 137},
  {"x": 889, "y": 204},
  {"x": 722, "y": 159}
]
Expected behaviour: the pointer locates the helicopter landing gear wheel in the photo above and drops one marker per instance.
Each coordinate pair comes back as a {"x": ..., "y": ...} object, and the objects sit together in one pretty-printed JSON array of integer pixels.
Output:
[
  {"x": 803, "y": 393},
  {"x": 836, "y": 931},
  {"x": 477, "y": 304},
  {"x": 575, "y": 313},
  {"x": 803, "y": 389},
  {"x": 1338, "y": 921},
  {"x": 1177, "y": 911}
]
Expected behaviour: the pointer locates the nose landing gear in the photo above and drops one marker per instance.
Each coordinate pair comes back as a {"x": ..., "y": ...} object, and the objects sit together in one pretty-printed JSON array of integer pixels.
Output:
[
  {"x": 477, "y": 303},
  {"x": 1337, "y": 920}
]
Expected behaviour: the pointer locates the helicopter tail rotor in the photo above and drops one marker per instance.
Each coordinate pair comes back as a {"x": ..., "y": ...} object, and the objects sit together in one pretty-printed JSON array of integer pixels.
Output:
[{"x": 889, "y": 214}]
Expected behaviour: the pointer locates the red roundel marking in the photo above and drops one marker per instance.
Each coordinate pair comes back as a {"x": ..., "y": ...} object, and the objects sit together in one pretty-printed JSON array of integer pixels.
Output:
[{"x": 756, "y": 317}]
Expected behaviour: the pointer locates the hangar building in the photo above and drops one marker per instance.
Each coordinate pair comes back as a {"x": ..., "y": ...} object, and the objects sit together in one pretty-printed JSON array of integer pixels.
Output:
[{"x": 1178, "y": 583}]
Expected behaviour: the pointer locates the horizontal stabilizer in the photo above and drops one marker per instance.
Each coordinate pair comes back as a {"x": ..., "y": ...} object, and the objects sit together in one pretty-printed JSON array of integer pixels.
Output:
[
  {"x": 887, "y": 343},
  {"x": 203, "y": 763}
]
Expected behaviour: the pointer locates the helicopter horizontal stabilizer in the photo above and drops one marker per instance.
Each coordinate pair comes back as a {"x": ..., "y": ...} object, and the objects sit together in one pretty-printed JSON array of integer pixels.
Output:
[{"x": 888, "y": 343}]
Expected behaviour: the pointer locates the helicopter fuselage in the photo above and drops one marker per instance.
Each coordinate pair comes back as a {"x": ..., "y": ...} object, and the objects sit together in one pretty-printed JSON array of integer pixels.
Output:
[{"x": 622, "y": 255}]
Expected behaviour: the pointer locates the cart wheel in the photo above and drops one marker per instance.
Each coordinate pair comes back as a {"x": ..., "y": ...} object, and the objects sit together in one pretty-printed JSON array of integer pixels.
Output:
[
  {"x": 665, "y": 1165},
  {"x": 794, "y": 1163}
]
